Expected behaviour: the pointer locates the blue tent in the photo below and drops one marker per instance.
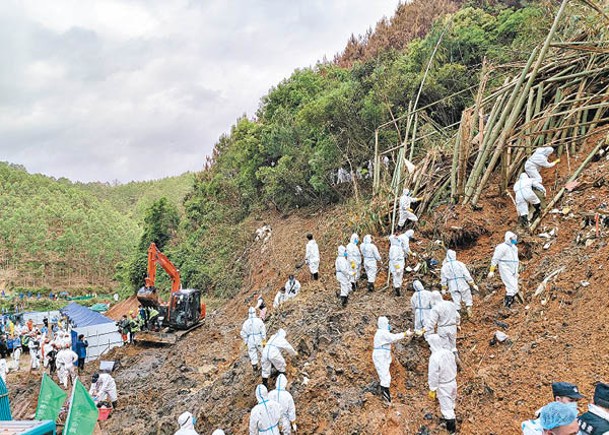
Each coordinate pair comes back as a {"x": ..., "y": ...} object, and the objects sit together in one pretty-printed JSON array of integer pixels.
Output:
[
  {"x": 82, "y": 316},
  {"x": 100, "y": 331}
]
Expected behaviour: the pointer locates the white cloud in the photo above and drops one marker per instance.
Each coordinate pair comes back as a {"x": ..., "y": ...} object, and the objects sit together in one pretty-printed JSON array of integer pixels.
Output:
[{"x": 135, "y": 89}]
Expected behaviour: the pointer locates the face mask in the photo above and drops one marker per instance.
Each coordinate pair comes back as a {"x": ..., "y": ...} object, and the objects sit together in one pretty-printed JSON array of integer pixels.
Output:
[
  {"x": 345, "y": 255},
  {"x": 356, "y": 241},
  {"x": 513, "y": 242},
  {"x": 388, "y": 327}
]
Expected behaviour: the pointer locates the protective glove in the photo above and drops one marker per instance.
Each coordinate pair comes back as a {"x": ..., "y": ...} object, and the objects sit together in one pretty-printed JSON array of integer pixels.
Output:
[
  {"x": 294, "y": 426},
  {"x": 491, "y": 274},
  {"x": 432, "y": 395},
  {"x": 263, "y": 343},
  {"x": 353, "y": 265},
  {"x": 412, "y": 254},
  {"x": 408, "y": 333},
  {"x": 419, "y": 332},
  {"x": 474, "y": 286},
  {"x": 397, "y": 267},
  {"x": 556, "y": 162},
  {"x": 409, "y": 209},
  {"x": 443, "y": 290}
]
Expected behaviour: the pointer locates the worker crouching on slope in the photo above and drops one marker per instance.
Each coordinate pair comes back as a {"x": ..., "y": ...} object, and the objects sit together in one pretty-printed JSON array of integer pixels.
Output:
[
  {"x": 253, "y": 333},
  {"x": 523, "y": 189},
  {"x": 457, "y": 279},
  {"x": 442, "y": 379},
  {"x": 381, "y": 354},
  {"x": 272, "y": 357},
  {"x": 506, "y": 257}
]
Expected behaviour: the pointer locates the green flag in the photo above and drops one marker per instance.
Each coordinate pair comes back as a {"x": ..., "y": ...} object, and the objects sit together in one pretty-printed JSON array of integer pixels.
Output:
[
  {"x": 50, "y": 400},
  {"x": 82, "y": 416}
]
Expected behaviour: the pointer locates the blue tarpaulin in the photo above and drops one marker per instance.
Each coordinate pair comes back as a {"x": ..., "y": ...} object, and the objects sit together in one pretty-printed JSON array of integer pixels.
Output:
[{"x": 83, "y": 316}]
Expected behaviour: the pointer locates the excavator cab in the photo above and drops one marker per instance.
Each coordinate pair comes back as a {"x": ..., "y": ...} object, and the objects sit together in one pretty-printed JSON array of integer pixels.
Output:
[{"x": 185, "y": 309}]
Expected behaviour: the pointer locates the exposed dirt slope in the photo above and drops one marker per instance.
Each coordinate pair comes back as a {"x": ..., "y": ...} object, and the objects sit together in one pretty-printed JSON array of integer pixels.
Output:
[{"x": 333, "y": 380}]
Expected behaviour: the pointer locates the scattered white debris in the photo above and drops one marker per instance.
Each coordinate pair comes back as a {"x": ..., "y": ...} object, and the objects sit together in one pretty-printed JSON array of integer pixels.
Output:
[
  {"x": 584, "y": 283},
  {"x": 500, "y": 336}
]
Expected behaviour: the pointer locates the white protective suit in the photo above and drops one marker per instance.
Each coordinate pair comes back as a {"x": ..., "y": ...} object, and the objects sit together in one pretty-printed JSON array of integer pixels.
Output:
[
  {"x": 421, "y": 305},
  {"x": 404, "y": 239},
  {"x": 46, "y": 349},
  {"x": 442, "y": 376},
  {"x": 405, "y": 211},
  {"x": 445, "y": 316},
  {"x": 343, "y": 272},
  {"x": 253, "y": 332},
  {"x": 292, "y": 287},
  {"x": 65, "y": 365},
  {"x": 523, "y": 189},
  {"x": 396, "y": 261},
  {"x": 16, "y": 355},
  {"x": 187, "y": 425},
  {"x": 288, "y": 410},
  {"x": 538, "y": 160},
  {"x": 265, "y": 416},
  {"x": 271, "y": 354},
  {"x": 280, "y": 298},
  {"x": 3, "y": 369},
  {"x": 506, "y": 258},
  {"x": 381, "y": 355},
  {"x": 371, "y": 255},
  {"x": 312, "y": 256},
  {"x": 34, "y": 350},
  {"x": 457, "y": 278},
  {"x": 104, "y": 388},
  {"x": 354, "y": 257}
]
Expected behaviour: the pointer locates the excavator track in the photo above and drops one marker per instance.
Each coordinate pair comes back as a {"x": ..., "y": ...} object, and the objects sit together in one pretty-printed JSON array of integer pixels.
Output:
[{"x": 166, "y": 336}]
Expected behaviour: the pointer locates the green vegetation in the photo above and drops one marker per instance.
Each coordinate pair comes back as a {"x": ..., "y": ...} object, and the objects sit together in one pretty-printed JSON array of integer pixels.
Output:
[
  {"x": 313, "y": 123},
  {"x": 70, "y": 236}
]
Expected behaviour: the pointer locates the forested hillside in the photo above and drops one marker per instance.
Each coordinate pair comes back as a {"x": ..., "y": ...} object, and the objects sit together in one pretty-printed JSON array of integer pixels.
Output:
[
  {"x": 323, "y": 119},
  {"x": 58, "y": 234},
  {"x": 135, "y": 197}
]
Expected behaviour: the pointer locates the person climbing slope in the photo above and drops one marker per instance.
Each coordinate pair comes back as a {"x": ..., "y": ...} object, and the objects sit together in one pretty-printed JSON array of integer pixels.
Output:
[
  {"x": 506, "y": 257},
  {"x": 381, "y": 354}
]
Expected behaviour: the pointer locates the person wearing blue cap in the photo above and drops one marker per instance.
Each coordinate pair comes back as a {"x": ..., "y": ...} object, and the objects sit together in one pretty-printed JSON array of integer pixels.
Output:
[
  {"x": 596, "y": 420},
  {"x": 563, "y": 392},
  {"x": 559, "y": 418}
]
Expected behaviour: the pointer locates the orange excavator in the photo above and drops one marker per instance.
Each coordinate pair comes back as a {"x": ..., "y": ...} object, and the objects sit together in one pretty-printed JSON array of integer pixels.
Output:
[{"x": 181, "y": 314}]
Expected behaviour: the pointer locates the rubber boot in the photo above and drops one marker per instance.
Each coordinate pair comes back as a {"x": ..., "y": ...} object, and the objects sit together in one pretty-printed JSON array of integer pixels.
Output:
[
  {"x": 508, "y": 301},
  {"x": 370, "y": 286},
  {"x": 457, "y": 359},
  {"x": 316, "y": 276},
  {"x": 523, "y": 221},
  {"x": 386, "y": 394},
  {"x": 265, "y": 382},
  {"x": 353, "y": 286},
  {"x": 255, "y": 367},
  {"x": 451, "y": 426},
  {"x": 343, "y": 300},
  {"x": 397, "y": 291},
  {"x": 469, "y": 312},
  {"x": 537, "y": 212}
]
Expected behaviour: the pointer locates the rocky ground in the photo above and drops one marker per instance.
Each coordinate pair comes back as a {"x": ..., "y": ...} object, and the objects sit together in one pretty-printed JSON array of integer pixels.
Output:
[{"x": 558, "y": 335}]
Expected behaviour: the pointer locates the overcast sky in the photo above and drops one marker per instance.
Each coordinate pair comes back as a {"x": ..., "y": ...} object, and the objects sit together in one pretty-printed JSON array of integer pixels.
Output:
[{"x": 142, "y": 89}]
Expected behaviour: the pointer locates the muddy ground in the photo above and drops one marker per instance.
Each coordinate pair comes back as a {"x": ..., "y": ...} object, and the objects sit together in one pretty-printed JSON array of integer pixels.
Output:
[{"x": 559, "y": 335}]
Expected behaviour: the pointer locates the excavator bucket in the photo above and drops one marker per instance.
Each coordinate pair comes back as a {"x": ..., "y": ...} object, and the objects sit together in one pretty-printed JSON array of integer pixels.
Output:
[
  {"x": 152, "y": 337},
  {"x": 148, "y": 297}
]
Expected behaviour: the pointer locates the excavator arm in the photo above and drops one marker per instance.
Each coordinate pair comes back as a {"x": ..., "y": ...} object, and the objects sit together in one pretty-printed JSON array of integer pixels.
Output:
[{"x": 157, "y": 257}]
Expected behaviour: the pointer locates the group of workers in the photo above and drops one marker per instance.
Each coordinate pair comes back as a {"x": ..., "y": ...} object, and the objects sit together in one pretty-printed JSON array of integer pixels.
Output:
[
  {"x": 51, "y": 346},
  {"x": 144, "y": 319}
]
